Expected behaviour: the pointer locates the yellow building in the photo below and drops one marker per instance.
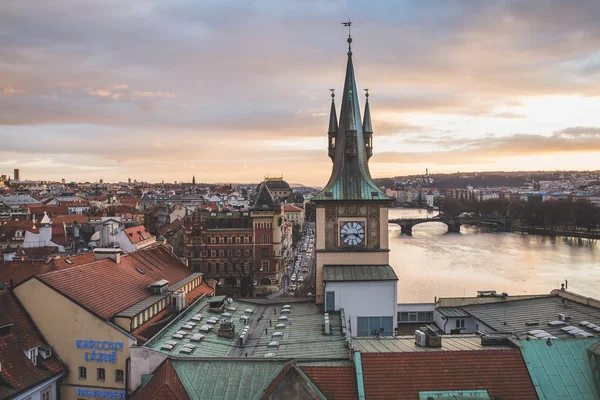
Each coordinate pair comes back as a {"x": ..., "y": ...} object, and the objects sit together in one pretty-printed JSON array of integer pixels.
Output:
[{"x": 92, "y": 314}]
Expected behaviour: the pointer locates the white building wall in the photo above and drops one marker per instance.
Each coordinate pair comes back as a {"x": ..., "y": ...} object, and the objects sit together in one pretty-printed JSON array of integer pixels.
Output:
[
  {"x": 365, "y": 299},
  {"x": 35, "y": 392},
  {"x": 143, "y": 361}
]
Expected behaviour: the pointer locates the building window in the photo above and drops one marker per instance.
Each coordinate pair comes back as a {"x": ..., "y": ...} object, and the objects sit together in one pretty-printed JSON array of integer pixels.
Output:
[
  {"x": 101, "y": 375},
  {"x": 33, "y": 355},
  {"x": 265, "y": 266},
  {"x": 213, "y": 253},
  {"x": 264, "y": 239},
  {"x": 226, "y": 267},
  {"x": 209, "y": 268},
  {"x": 220, "y": 240},
  {"x": 238, "y": 252},
  {"x": 366, "y": 325},
  {"x": 46, "y": 393},
  {"x": 265, "y": 252},
  {"x": 415, "y": 316},
  {"x": 82, "y": 373},
  {"x": 225, "y": 239},
  {"x": 119, "y": 375},
  {"x": 247, "y": 252},
  {"x": 218, "y": 267},
  {"x": 213, "y": 240},
  {"x": 460, "y": 324}
]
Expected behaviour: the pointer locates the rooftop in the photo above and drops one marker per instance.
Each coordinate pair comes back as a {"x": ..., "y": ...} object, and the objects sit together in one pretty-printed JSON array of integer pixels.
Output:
[
  {"x": 522, "y": 316},
  {"x": 562, "y": 370},
  {"x": 404, "y": 375},
  {"x": 301, "y": 335},
  {"x": 126, "y": 282},
  {"x": 18, "y": 372},
  {"x": 345, "y": 273},
  {"x": 406, "y": 344}
]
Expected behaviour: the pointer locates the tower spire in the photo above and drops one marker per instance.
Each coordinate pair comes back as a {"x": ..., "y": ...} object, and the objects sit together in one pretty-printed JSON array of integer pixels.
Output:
[
  {"x": 350, "y": 177},
  {"x": 333, "y": 126},
  {"x": 367, "y": 127}
]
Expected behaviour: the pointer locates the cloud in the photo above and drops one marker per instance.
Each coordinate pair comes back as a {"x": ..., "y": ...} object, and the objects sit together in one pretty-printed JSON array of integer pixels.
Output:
[{"x": 219, "y": 81}]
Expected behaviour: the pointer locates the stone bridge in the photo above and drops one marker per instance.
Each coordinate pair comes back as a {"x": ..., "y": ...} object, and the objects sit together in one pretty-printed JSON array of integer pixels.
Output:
[{"x": 454, "y": 223}]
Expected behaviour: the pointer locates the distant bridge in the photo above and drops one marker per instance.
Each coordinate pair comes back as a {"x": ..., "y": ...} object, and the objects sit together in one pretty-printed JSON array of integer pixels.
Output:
[{"x": 454, "y": 223}]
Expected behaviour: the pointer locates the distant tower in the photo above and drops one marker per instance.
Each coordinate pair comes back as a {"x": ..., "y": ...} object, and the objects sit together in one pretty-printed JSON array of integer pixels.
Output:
[
  {"x": 194, "y": 180},
  {"x": 63, "y": 181},
  {"x": 101, "y": 181},
  {"x": 426, "y": 171},
  {"x": 17, "y": 175},
  {"x": 129, "y": 180}
]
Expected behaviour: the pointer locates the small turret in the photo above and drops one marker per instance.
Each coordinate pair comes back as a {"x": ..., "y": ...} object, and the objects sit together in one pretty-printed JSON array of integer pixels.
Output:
[
  {"x": 333, "y": 126},
  {"x": 367, "y": 127}
]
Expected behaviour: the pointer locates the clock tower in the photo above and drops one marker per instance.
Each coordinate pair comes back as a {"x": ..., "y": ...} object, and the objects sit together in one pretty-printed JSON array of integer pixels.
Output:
[{"x": 352, "y": 216}]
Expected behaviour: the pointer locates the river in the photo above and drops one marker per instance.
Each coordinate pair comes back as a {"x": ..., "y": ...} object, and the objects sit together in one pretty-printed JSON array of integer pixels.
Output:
[{"x": 435, "y": 263}]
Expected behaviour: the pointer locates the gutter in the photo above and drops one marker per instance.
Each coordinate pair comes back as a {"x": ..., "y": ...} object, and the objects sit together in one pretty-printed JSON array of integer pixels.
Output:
[{"x": 359, "y": 376}]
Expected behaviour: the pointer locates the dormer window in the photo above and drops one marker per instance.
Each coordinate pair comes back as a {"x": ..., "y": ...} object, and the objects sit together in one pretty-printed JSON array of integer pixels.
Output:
[{"x": 33, "y": 355}]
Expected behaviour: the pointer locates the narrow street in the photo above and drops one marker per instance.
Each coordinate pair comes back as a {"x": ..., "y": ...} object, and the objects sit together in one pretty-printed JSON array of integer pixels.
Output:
[{"x": 299, "y": 276}]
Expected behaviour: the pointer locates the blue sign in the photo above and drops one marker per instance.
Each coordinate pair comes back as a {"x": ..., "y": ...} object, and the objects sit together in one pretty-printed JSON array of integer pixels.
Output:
[
  {"x": 102, "y": 394},
  {"x": 101, "y": 350}
]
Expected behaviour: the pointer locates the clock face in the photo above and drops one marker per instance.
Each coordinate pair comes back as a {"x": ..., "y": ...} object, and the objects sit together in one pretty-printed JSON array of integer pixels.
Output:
[{"x": 353, "y": 233}]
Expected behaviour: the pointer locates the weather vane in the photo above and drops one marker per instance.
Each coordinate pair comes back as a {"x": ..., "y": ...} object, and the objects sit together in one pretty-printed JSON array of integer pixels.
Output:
[{"x": 348, "y": 24}]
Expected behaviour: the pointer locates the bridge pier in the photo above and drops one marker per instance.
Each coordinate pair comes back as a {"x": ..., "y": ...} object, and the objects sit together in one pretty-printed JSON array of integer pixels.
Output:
[
  {"x": 406, "y": 229},
  {"x": 453, "y": 226}
]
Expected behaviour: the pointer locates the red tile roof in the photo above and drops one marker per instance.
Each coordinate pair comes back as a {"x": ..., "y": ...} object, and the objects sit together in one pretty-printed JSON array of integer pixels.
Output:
[
  {"x": 291, "y": 208},
  {"x": 74, "y": 260},
  {"x": 18, "y": 372},
  {"x": 137, "y": 234},
  {"x": 20, "y": 271},
  {"x": 336, "y": 383},
  {"x": 22, "y": 327},
  {"x": 402, "y": 375},
  {"x": 164, "y": 385},
  {"x": 70, "y": 218},
  {"x": 122, "y": 283},
  {"x": 39, "y": 210}
]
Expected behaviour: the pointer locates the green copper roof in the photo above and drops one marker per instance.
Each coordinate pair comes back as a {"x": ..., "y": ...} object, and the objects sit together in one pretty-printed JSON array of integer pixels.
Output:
[
  {"x": 227, "y": 379},
  {"x": 367, "y": 126},
  {"x": 350, "y": 178},
  {"x": 333, "y": 125},
  {"x": 563, "y": 370},
  {"x": 349, "y": 273}
]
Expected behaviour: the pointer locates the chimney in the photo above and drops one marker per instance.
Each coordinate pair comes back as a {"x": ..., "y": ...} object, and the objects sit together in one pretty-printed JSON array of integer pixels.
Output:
[{"x": 112, "y": 253}]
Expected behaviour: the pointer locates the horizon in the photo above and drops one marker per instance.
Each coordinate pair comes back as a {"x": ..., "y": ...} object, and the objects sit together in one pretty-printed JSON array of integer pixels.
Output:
[{"x": 125, "y": 90}]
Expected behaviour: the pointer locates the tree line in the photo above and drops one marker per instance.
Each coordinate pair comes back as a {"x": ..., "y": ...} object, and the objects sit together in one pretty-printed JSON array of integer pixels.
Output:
[{"x": 547, "y": 215}]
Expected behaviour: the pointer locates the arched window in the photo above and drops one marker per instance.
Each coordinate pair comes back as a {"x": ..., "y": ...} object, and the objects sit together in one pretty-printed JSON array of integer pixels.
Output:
[{"x": 225, "y": 239}]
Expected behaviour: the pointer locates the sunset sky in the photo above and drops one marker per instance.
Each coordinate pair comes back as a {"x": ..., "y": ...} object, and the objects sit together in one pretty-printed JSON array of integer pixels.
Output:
[{"x": 231, "y": 91}]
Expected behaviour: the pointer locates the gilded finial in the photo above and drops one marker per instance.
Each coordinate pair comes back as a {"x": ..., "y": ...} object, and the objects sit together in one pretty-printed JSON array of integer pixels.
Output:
[
  {"x": 332, "y": 93},
  {"x": 366, "y": 93}
]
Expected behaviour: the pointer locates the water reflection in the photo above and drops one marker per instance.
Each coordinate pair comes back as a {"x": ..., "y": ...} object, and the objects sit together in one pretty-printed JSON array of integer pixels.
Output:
[{"x": 434, "y": 262}]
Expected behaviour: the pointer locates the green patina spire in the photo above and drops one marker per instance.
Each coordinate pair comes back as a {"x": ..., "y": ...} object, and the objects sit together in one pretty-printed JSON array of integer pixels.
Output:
[{"x": 350, "y": 178}]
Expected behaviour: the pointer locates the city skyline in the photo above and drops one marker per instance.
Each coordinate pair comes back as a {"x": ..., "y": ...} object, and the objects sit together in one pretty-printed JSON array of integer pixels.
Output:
[{"x": 233, "y": 93}]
